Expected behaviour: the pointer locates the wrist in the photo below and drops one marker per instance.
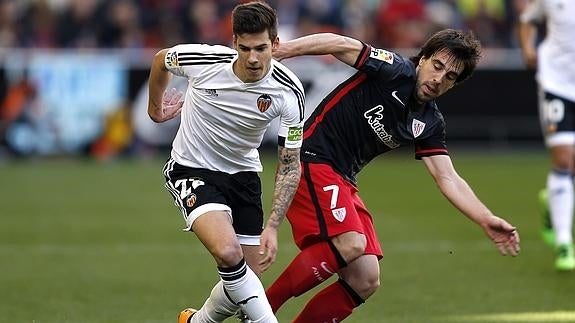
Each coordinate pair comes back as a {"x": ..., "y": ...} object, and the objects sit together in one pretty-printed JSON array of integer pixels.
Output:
[{"x": 273, "y": 223}]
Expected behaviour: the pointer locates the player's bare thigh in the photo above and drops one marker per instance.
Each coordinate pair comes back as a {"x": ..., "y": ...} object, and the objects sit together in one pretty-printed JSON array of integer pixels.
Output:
[{"x": 214, "y": 229}]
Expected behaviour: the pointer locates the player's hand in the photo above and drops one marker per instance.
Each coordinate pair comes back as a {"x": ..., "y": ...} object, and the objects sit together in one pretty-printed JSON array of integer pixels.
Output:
[
  {"x": 530, "y": 58},
  {"x": 172, "y": 103},
  {"x": 268, "y": 247},
  {"x": 503, "y": 234}
]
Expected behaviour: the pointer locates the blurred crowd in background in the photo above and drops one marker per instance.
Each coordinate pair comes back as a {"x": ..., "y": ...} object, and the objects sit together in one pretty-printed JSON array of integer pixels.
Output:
[
  {"x": 59, "y": 98},
  {"x": 163, "y": 23}
]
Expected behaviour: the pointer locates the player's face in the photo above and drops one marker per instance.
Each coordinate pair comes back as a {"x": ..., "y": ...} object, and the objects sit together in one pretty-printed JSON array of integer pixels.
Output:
[
  {"x": 254, "y": 56},
  {"x": 436, "y": 75}
]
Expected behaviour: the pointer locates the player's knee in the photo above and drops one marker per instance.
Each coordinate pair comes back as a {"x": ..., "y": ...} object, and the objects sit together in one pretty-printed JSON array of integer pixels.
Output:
[
  {"x": 228, "y": 255},
  {"x": 364, "y": 283},
  {"x": 562, "y": 159},
  {"x": 350, "y": 245},
  {"x": 371, "y": 284}
]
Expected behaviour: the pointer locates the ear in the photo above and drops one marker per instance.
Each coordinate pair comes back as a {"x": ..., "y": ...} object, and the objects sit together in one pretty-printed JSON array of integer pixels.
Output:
[
  {"x": 275, "y": 43},
  {"x": 421, "y": 59},
  {"x": 235, "y": 41}
]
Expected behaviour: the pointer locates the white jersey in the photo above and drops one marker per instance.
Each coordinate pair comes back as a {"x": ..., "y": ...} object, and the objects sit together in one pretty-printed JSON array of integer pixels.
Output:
[
  {"x": 223, "y": 119},
  {"x": 556, "y": 54}
]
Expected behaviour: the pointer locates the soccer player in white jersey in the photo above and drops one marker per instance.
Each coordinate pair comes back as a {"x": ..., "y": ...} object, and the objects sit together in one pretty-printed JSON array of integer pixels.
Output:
[
  {"x": 232, "y": 96},
  {"x": 553, "y": 58}
]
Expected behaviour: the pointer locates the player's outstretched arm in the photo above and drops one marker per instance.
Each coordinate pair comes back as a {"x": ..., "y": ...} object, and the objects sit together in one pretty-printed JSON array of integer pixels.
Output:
[
  {"x": 344, "y": 48},
  {"x": 527, "y": 34},
  {"x": 458, "y": 192},
  {"x": 287, "y": 180},
  {"x": 530, "y": 16},
  {"x": 162, "y": 105}
]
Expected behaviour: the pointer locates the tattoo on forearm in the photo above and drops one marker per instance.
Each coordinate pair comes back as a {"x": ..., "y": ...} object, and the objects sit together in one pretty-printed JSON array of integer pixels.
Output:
[{"x": 287, "y": 179}]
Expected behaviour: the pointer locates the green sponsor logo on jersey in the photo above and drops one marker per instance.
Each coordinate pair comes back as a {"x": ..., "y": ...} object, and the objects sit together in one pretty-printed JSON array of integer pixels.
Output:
[{"x": 295, "y": 133}]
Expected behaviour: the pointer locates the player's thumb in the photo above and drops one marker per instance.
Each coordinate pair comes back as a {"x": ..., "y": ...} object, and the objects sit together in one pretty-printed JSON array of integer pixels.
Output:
[{"x": 507, "y": 227}]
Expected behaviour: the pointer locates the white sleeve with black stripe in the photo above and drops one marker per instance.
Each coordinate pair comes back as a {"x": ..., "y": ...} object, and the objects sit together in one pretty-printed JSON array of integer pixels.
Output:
[{"x": 189, "y": 60}]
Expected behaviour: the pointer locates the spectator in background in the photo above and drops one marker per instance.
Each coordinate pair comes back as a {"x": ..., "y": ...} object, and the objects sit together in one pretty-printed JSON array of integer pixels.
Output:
[
  {"x": 401, "y": 24},
  {"x": 487, "y": 18},
  {"x": 79, "y": 24},
  {"x": 321, "y": 15},
  {"x": 24, "y": 123},
  {"x": 288, "y": 14},
  {"x": 18, "y": 105},
  {"x": 122, "y": 25},
  {"x": 443, "y": 14},
  {"x": 357, "y": 16},
  {"x": 554, "y": 60},
  {"x": 159, "y": 23},
  {"x": 210, "y": 27},
  {"x": 8, "y": 24},
  {"x": 165, "y": 23},
  {"x": 38, "y": 26}
]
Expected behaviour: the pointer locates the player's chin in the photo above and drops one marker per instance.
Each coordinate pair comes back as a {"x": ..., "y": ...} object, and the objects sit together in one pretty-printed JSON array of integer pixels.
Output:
[
  {"x": 254, "y": 75},
  {"x": 422, "y": 97}
]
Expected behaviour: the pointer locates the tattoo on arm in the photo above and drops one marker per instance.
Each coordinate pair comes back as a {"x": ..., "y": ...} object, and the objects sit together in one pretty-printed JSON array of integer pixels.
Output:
[{"x": 287, "y": 179}]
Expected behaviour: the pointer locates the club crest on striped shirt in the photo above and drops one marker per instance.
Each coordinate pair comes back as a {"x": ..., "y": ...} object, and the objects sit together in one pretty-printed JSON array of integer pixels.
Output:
[
  {"x": 264, "y": 102},
  {"x": 172, "y": 59},
  {"x": 417, "y": 128},
  {"x": 191, "y": 200}
]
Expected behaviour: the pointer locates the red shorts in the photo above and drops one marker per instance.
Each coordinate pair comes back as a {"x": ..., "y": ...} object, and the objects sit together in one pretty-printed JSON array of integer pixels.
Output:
[{"x": 326, "y": 205}]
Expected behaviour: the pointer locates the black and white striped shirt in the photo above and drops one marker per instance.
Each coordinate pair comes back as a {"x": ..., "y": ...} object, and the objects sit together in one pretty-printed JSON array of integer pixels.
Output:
[{"x": 224, "y": 119}]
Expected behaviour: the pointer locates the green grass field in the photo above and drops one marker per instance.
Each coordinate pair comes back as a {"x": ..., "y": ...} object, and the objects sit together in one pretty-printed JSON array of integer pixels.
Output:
[{"x": 86, "y": 242}]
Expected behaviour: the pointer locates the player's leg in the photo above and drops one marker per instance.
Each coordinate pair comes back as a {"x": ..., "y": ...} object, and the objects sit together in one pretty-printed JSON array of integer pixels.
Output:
[
  {"x": 558, "y": 122},
  {"x": 358, "y": 281},
  {"x": 313, "y": 265},
  {"x": 321, "y": 209},
  {"x": 548, "y": 128},
  {"x": 241, "y": 285},
  {"x": 244, "y": 190},
  {"x": 561, "y": 200},
  {"x": 205, "y": 210},
  {"x": 362, "y": 275},
  {"x": 196, "y": 197},
  {"x": 219, "y": 306},
  {"x": 216, "y": 308},
  {"x": 547, "y": 233},
  {"x": 252, "y": 256}
]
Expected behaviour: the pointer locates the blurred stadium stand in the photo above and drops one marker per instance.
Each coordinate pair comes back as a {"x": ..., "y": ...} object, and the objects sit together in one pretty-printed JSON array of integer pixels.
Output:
[{"x": 73, "y": 72}]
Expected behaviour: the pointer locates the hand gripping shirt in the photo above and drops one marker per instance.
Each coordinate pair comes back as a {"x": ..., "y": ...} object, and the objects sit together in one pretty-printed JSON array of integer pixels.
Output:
[
  {"x": 223, "y": 119},
  {"x": 371, "y": 113}
]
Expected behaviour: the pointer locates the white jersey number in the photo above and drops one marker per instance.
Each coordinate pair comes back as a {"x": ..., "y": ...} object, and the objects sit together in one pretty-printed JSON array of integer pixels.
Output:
[
  {"x": 338, "y": 213},
  {"x": 334, "y": 194},
  {"x": 554, "y": 110}
]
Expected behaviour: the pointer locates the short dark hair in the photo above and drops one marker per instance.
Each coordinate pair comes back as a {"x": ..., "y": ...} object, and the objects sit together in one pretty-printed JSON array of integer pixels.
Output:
[
  {"x": 253, "y": 18},
  {"x": 463, "y": 47}
]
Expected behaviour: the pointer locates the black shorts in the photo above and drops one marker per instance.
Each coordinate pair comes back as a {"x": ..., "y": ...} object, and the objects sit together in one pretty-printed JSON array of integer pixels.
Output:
[
  {"x": 197, "y": 191},
  {"x": 557, "y": 117}
]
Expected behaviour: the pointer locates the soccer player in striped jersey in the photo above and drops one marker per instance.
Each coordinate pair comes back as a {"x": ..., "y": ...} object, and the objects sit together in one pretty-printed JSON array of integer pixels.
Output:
[
  {"x": 553, "y": 59},
  {"x": 212, "y": 173},
  {"x": 387, "y": 104}
]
